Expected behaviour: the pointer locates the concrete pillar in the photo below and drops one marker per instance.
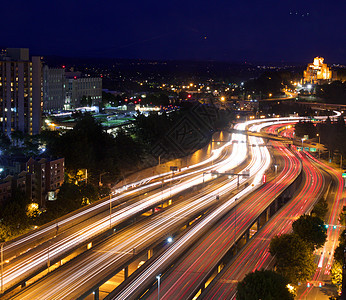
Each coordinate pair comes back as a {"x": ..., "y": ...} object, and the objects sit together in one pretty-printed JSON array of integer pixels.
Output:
[
  {"x": 97, "y": 294},
  {"x": 247, "y": 235},
  {"x": 150, "y": 253},
  {"x": 126, "y": 272}
]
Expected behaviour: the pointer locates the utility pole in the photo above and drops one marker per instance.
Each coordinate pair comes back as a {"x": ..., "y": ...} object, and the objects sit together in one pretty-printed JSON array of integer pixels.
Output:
[
  {"x": 48, "y": 261},
  {"x": 235, "y": 224},
  {"x": 110, "y": 211},
  {"x": 2, "y": 267},
  {"x": 158, "y": 286}
]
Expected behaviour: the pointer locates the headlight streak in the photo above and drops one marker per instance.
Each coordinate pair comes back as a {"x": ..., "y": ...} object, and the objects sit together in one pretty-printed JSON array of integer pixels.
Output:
[
  {"x": 238, "y": 155},
  {"x": 233, "y": 160},
  {"x": 15, "y": 272},
  {"x": 187, "y": 274},
  {"x": 262, "y": 161},
  {"x": 224, "y": 287}
]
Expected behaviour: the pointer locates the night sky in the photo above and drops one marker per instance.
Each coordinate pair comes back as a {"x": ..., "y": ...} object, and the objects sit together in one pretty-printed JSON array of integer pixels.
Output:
[{"x": 235, "y": 31}]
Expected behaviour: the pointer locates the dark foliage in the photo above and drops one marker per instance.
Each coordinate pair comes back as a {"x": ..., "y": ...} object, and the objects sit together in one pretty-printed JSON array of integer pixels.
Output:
[
  {"x": 320, "y": 209},
  {"x": 311, "y": 229},
  {"x": 295, "y": 260},
  {"x": 334, "y": 92},
  {"x": 265, "y": 285}
]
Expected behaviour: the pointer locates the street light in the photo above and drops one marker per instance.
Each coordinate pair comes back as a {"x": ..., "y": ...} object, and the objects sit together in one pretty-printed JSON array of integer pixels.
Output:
[
  {"x": 2, "y": 267},
  {"x": 303, "y": 144},
  {"x": 235, "y": 224},
  {"x": 158, "y": 277},
  {"x": 48, "y": 260},
  {"x": 319, "y": 144},
  {"x": 110, "y": 211},
  {"x": 100, "y": 181},
  {"x": 276, "y": 172}
]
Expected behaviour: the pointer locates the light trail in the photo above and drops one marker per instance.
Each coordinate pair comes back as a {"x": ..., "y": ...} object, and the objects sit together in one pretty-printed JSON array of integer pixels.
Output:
[
  {"x": 262, "y": 160},
  {"x": 238, "y": 155},
  {"x": 333, "y": 231},
  {"x": 255, "y": 255}
]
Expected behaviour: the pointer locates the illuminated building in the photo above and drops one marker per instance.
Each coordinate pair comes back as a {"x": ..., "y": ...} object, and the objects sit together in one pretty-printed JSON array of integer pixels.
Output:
[
  {"x": 77, "y": 87},
  {"x": 20, "y": 92},
  {"x": 65, "y": 90},
  {"x": 40, "y": 179},
  {"x": 317, "y": 72},
  {"x": 54, "y": 89}
]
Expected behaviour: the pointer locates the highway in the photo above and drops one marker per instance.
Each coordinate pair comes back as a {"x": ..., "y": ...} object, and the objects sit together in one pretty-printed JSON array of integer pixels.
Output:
[
  {"x": 180, "y": 246},
  {"x": 136, "y": 238},
  {"x": 89, "y": 225},
  {"x": 324, "y": 256},
  {"x": 19, "y": 268},
  {"x": 255, "y": 255},
  {"x": 184, "y": 280}
]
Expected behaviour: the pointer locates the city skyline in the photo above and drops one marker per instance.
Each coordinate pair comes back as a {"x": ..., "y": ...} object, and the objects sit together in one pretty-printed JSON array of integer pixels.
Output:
[{"x": 245, "y": 31}]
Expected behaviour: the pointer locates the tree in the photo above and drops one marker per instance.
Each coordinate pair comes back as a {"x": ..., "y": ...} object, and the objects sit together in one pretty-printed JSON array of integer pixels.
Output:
[
  {"x": 265, "y": 285},
  {"x": 5, "y": 142},
  {"x": 336, "y": 274},
  {"x": 311, "y": 229},
  {"x": 339, "y": 250},
  {"x": 294, "y": 258},
  {"x": 13, "y": 218},
  {"x": 334, "y": 92},
  {"x": 128, "y": 150},
  {"x": 320, "y": 209},
  {"x": 86, "y": 101},
  {"x": 87, "y": 146},
  {"x": 342, "y": 216},
  {"x": 305, "y": 128}
]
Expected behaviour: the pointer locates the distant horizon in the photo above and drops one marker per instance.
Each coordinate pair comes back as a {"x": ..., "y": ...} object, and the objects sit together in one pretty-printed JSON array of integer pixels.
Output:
[{"x": 248, "y": 62}]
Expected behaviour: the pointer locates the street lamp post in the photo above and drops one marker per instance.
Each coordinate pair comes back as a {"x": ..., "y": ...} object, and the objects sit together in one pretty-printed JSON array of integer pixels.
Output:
[
  {"x": 48, "y": 261},
  {"x": 2, "y": 267},
  {"x": 341, "y": 161},
  {"x": 100, "y": 179},
  {"x": 302, "y": 144},
  {"x": 319, "y": 144},
  {"x": 158, "y": 277},
  {"x": 276, "y": 172},
  {"x": 235, "y": 224},
  {"x": 110, "y": 211},
  {"x": 203, "y": 177}
]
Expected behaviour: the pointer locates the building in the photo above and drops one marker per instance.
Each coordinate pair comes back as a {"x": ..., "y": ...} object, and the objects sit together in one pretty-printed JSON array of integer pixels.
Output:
[
  {"x": 79, "y": 87},
  {"x": 45, "y": 178},
  {"x": 66, "y": 90},
  {"x": 54, "y": 89},
  {"x": 20, "y": 92},
  {"x": 317, "y": 72},
  {"x": 6, "y": 189},
  {"x": 40, "y": 179}
]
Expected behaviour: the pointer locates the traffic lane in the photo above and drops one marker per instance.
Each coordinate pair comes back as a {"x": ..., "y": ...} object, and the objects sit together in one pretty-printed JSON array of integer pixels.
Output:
[
  {"x": 134, "y": 239},
  {"x": 198, "y": 261},
  {"x": 255, "y": 255}
]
